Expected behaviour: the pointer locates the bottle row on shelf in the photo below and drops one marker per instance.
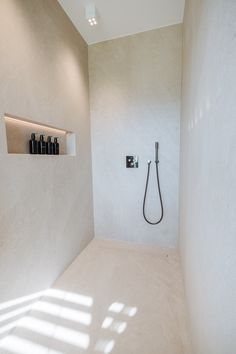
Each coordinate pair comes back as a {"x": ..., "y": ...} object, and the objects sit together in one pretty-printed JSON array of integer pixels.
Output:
[{"x": 43, "y": 147}]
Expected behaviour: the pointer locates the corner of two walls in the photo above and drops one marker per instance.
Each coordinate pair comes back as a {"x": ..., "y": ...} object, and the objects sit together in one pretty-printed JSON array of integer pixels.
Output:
[
  {"x": 46, "y": 212},
  {"x": 135, "y": 93}
]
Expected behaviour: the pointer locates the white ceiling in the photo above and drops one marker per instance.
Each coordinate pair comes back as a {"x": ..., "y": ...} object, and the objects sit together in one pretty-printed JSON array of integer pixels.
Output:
[{"x": 119, "y": 18}]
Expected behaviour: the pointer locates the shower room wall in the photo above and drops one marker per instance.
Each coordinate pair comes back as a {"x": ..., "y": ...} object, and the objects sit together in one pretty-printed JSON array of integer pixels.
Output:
[
  {"x": 46, "y": 215},
  {"x": 135, "y": 89},
  {"x": 208, "y": 166}
]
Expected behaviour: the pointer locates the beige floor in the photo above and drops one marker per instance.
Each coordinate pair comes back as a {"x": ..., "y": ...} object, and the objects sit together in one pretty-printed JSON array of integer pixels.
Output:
[{"x": 115, "y": 298}]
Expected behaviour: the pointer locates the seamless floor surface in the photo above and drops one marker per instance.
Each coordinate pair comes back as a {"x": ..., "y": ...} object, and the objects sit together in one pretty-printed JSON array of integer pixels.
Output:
[{"x": 114, "y": 298}]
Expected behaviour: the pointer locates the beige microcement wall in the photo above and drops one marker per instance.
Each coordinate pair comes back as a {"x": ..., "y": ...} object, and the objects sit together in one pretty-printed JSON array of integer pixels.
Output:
[
  {"x": 45, "y": 202},
  {"x": 208, "y": 168},
  {"x": 135, "y": 87}
]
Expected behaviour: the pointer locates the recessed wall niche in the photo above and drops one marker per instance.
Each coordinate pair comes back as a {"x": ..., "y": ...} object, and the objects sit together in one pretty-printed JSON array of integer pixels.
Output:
[{"x": 18, "y": 133}]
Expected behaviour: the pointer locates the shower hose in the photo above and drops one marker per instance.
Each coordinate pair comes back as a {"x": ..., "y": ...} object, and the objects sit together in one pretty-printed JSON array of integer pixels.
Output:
[{"x": 159, "y": 192}]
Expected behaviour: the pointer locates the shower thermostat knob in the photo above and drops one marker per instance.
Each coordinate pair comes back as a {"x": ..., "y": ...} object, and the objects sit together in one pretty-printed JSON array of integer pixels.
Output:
[{"x": 132, "y": 161}]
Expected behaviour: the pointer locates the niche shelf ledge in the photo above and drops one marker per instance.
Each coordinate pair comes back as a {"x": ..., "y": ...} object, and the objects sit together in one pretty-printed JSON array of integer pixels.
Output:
[{"x": 18, "y": 131}]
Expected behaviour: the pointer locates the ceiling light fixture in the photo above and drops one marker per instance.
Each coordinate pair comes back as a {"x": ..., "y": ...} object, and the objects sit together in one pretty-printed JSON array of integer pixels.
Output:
[{"x": 91, "y": 14}]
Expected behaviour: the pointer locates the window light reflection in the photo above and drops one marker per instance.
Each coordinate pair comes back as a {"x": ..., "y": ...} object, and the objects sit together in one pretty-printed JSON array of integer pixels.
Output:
[
  {"x": 51, "y": 330},
  {"x": 7, "y": 328},
  {"x": 11, "y": 314},
  {"x": 105, "y": 346},
  {"x": 116, "y": 307},
  {"x": 71, "y": 297},
  {"x": 130, "y": 311},
  {"x": 107, "y": 322},
  {"x": 119, "y": 327},
  {"x": 37, "y": 302},
  {"x": 18, "y": 345},
  {"x": 21, "y": 300},
  {"x": 63, "y": 312}
]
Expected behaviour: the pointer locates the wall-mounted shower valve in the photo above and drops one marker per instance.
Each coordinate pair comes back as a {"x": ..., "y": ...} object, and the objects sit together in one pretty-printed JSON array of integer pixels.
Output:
[{"x": 132, "y": 161}]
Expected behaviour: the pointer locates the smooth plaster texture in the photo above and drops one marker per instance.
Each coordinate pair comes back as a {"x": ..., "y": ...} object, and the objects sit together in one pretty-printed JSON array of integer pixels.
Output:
[
  {"x": 115, "y": 298},
  {"x": 208, "y": 166},
  {"x": 135, "y": 101},
  {"x": 45, "y": 202}
]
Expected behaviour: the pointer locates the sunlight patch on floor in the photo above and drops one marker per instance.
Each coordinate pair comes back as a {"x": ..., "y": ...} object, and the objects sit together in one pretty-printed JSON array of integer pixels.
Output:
[
  {"x": 15, "y": 344},
  {"x": 116, "y": 307},
  {"x": 105, "y": 346},
  {"x": 60, "y": 333},
  {"x": 18, "y": 345},
  {"x": 21, "y": 300},
  {"x": 71, "y": 297},
  {"x": 63, "y": 312}
]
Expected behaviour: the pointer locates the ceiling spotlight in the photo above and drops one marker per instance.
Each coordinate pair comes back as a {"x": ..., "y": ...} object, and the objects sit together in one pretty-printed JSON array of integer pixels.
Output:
[{"x": 91, "y": 14}]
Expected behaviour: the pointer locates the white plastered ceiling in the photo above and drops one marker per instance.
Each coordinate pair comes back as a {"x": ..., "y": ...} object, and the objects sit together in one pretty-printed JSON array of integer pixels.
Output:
[{"x": 119, "y": 18}]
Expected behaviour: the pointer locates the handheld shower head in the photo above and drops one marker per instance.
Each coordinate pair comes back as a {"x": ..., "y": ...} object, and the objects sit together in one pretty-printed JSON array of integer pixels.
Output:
[
  {"x": 158, "y": 186},
  {"x": 156, "y": 151}
]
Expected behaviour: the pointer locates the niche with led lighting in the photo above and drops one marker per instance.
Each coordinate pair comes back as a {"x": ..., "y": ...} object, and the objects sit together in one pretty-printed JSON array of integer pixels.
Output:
[{"x": 18, "y": 133}]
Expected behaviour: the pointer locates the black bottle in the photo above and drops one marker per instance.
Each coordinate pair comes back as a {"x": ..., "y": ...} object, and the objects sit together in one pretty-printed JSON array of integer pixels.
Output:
[
  {"x": 55, "y": 147},
  {"x": 33, "y": 144},
  {"x": 42, "y": 145},
  {"x": 49, "y": 146}
]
